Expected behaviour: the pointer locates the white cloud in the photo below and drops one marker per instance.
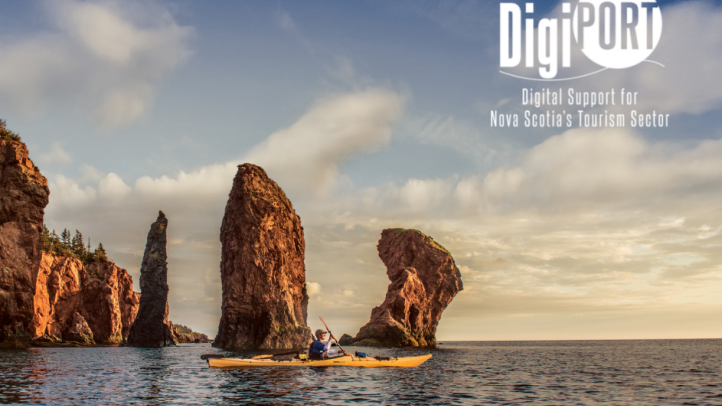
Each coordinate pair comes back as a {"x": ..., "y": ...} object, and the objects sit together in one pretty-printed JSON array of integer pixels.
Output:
[
  {"x": 113, "y": 187},
  {"x": 313, "y": 288},
  {"x": 303, "y": 157},
  {"x": 602, "y": 167},
  {"x": 66, "y": 192},
  {"x": 56, "y": 156},
  {"x": 578, "y": 170},
  {"x": 89, "y": 174},
  {"x": 209, "y": 182},
  {"x": 462, "y": 136},
  {"x": 421, "y": 195},
  {"x": 306, "y": 155},
  {"x": 97, "y": 57}
]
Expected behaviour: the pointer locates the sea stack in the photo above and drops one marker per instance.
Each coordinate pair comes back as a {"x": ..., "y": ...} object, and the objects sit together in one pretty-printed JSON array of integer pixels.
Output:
[
  {"x": 151, "y": 327},
  {"x": 262, "y": 268},
  {"x": 424, "y": 280},
  {"x": 23, "y": 197}
]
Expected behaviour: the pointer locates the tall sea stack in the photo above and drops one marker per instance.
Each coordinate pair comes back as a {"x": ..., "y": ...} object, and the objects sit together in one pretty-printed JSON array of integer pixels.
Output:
[
  {"x": 23, "y": 197},
  {"x": 424, "y": 280},
  {"x": 151, "y": 327},
  {"x": 262, "y": 267}
]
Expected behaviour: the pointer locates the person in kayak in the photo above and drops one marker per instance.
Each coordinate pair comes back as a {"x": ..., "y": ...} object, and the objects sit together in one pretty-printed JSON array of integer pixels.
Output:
[{"x": 320, "y": 350}]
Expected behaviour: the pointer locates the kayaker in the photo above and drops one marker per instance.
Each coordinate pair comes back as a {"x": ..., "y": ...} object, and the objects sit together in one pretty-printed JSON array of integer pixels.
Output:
[{"x": 320, "y": 350}]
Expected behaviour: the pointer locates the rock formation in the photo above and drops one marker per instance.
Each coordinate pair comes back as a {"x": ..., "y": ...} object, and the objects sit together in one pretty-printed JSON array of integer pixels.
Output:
[
  {"x": 58, "y": 295},
  {"x": 40, "y": 293},
  {"x": 195, "y": 338},
  {"x": 79, "y": 331},
  {"x": 262, "y": 268},
  {"x": 23, "y": 197},
  {"x": 100, "y": 292},
  {"x": 186, "y": 335},
  {"x": 345, "y": 340},
  {"x": 424, "y": 280},
  {"x": 109, "y": 302},
  {"x": 151, "y": 327}
]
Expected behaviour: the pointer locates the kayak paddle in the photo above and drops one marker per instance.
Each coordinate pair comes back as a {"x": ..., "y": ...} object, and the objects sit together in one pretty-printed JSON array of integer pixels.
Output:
[
  {"x": 273, "y": 355},
  {"x": 331, "y": 334}
]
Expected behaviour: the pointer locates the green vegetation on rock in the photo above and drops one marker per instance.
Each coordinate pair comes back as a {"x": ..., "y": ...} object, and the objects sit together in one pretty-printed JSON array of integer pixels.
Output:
[
  {"x": 431, "y": 240},
  {"x": 182, "y": 329},
  {"x": 6, "y": 134},
  {"x": 65, "y": 245}
]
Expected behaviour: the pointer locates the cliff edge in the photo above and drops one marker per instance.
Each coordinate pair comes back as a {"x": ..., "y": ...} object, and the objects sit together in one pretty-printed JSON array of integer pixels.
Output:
[{"x": 23, "y": 196}]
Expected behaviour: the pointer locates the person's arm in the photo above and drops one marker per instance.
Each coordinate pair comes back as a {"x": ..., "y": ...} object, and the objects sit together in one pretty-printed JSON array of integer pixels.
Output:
[{"x": 327, "y": 348}]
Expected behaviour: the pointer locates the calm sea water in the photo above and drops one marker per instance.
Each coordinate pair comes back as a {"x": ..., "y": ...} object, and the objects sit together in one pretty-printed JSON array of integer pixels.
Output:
[{"x": 655, "y": 372}]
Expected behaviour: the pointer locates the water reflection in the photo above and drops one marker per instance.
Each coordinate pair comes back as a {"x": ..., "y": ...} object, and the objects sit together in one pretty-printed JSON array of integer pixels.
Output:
[
  {"x": 614, "y": 372},
  {"x": 15, "y": 386}
]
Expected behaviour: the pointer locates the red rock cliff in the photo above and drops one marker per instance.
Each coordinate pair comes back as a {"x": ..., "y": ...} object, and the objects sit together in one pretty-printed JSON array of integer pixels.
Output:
[
  {"x": 109, "y": 302},
  {"x": 101, "y": 293},
  {"x": 40, "y": 292},
  {"x": 58, "y": 295},
  {"x": 262, "y": 267},
  {"x": 424, "y": 280},
  {"x": 23, "y": 197}
]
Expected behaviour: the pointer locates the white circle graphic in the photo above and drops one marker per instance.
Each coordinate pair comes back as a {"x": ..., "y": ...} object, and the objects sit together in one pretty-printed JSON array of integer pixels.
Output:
[{"x": 617, "y": 33}]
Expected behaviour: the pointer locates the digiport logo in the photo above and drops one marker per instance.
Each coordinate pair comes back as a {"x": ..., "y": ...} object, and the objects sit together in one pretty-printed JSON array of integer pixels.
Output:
[{"x": 614, "y": 34}]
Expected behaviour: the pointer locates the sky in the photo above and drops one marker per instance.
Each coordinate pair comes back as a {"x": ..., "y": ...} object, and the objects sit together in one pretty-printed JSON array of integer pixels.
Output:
[{"x": 376, "y": 114}]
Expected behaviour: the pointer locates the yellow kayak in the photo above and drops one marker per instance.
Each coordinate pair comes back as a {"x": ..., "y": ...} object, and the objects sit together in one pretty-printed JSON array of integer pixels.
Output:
[{"x": 345, "y": 361}]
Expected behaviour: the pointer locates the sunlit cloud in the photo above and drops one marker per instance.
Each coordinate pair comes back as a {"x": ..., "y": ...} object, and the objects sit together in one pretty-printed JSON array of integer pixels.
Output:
[{"x": 97, "y": 55}]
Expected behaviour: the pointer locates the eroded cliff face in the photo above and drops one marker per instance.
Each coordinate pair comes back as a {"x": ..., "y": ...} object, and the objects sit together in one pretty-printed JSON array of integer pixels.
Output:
[
  {"x": 23, "y": 197},
  {"x": 41, "y": 293},
  {"x": 262, "y": 267},
  {"x": 101, "y": 293},
  {"x": 424, "y": 280},
  {"x": 58, "y": 295},
  {"x": 109, "y": 302},
  {"x": 151, "y": 327}
]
